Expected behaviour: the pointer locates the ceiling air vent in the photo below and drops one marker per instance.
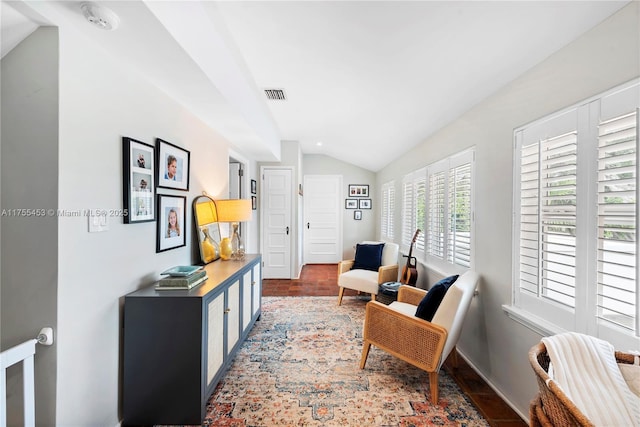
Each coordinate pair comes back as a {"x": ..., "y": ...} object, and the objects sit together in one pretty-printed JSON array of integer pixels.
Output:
[{"x": 275, "y": 94}]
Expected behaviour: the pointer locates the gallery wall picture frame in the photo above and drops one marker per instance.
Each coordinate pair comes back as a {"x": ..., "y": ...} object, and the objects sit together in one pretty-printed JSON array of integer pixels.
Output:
[
  {"x": 357, "y": 215},
  {"x": 358, "y": 190},
  {"x": 254, "y": 186},
  {"x": 254, "y": 203},
  {"x": 351, "y": 203},
  {"x": 172, "y": 227},
  {"x": 364, "y": 204},
  {"x": 138, "y": 183},
  {"x": 173, "y": 165}
]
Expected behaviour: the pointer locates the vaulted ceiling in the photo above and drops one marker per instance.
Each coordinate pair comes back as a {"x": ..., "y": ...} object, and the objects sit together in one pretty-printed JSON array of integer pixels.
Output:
[{"x": 364, "y": 80}]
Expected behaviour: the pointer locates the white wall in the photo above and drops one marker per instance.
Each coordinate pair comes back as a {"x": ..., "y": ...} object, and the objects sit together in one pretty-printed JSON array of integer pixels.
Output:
[
  {"x": 603, "y": 58},
  {"x": 30, "y": 243},
  {"x": 102, "y": 100},
  {"x": 352, "y": 231}
]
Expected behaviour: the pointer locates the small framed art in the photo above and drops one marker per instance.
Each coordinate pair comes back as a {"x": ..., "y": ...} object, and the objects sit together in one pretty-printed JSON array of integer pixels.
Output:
[
  {"x": 171, "y": 222},
  {"x": 358, "y": 190},
  {"x": 364, "y": 203},
  {"x": 357, "y": 215},
  {"x": 351, "y": 203},
  {"x": 254, "y": 203},
  {"x": 173, "y": 166},
  {"x": 254, "y": 188},
  {"x": 138, "y": 161}
]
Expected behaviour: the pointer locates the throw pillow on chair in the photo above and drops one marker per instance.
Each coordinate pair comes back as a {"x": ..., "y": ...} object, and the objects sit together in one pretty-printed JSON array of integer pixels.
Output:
[{"x": 431, "y": 301}]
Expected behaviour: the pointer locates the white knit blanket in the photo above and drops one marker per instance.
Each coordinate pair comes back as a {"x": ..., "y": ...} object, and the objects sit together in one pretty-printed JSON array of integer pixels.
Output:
[{"x": 585, "y": 368}]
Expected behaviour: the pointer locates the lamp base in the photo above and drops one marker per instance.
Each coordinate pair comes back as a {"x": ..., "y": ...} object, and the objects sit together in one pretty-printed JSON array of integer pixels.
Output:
[
  {"x": 225, "y": 249},
  {"x": 237, "y": 248}
]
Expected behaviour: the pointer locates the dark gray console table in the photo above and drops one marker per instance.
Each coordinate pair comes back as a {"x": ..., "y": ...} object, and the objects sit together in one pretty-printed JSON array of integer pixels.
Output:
[{"x": 178, "y": 344}]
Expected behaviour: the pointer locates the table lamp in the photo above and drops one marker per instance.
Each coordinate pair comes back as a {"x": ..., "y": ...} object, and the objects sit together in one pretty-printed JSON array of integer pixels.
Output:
[{"x": 234, "y": 211}]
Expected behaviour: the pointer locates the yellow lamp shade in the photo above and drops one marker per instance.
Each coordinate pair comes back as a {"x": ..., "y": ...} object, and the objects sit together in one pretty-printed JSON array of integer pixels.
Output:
[{"x": 233, "y": 210}]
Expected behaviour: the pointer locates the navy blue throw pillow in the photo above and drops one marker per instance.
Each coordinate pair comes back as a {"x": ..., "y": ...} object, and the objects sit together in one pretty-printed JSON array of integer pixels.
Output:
[
  {"x": 368, "y": 257},
  {"x": 431, "y": 301}
]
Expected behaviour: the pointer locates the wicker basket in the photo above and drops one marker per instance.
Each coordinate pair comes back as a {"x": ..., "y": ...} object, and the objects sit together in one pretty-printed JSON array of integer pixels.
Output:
[{"x": 551, "y": 407}]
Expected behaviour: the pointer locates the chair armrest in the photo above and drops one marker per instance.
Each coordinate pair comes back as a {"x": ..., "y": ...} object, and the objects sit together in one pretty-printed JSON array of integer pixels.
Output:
[
  {"x": 410, "y": 294},
  {"x": 409, "y": 338},
  {"x": 344, "y": 266},
  {"x": 387, "y": 273}
]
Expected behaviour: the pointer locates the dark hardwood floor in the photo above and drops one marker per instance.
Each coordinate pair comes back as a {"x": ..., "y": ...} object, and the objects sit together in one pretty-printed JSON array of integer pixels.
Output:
[{"x": 322, "y": 279}]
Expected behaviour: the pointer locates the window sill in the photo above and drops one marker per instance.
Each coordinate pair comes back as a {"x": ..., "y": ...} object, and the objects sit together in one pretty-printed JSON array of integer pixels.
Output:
[{"x": 528, "y": 320}]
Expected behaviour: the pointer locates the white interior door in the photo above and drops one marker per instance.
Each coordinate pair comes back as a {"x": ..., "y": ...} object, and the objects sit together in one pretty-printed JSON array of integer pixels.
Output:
[
  {"x": 322, "y": 219},
  {"x": 276, "y": 224}
]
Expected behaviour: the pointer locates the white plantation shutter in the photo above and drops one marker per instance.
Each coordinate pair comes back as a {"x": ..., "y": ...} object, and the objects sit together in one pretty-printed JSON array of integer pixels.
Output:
[
  {"x": 529, "y": 219},
  {"x": 435, "y": 215},
  {"x": 459, "y": 238},
  {"x": 407, "y": 210},
  {"x": 617, "y": 216},
  {"x": 558, "y": 217},
  {"x": 420, "y": 185},
  {"x": 388, "y": 206}
]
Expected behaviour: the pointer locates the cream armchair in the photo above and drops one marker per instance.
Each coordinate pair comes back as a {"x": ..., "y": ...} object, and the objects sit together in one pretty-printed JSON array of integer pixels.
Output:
[
  {"x": 368, "y": 280},
  {"x": 426, "y": 345}
]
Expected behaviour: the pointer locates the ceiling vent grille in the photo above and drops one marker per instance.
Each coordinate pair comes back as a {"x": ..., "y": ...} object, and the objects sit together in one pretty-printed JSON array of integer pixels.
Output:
[{"x": 275, "y": 94}]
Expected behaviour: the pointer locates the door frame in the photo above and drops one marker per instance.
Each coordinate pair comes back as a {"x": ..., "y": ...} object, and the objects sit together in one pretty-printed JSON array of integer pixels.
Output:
[{"x": 293, "y": 267}]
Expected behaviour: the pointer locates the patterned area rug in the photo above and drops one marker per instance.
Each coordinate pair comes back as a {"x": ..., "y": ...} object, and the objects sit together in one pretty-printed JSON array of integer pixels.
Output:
[{"x": 300, "y": 367}]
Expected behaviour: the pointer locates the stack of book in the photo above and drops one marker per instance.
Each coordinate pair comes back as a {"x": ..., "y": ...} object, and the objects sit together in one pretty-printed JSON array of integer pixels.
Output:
[{"x": 182, "y": 281}]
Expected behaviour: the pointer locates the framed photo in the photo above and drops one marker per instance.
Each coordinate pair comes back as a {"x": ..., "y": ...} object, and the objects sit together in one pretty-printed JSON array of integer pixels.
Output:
[
  {"x": 254, "y": 188},
  {"x": 254, "y": 203},
  {"x": 351, "y": 203},
  {"x": 357, "y": 215},
  {"x": 364, "y": 203},
  {"x": 138, "y": 161},
  {"x": 173, "y": 166},
  {"x": 172, "y": 228},
  {"x": 358, "y": 190}
]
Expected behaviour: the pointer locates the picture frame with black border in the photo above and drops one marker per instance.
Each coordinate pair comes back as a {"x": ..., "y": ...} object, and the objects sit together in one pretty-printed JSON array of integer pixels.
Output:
[
  {"x": 254, "y": 203},
  {"x": 138, "y": 183},
  {"x": 358, "y": 190},
  {"x": 357, "y": 215},
  {"x": 364, "y": 204},
  {"x": 254, "y": 188},
  {"x": 171, "y": 226},
  {"x": 351, "y": 203},
  {"x": 173, "y": 165}
]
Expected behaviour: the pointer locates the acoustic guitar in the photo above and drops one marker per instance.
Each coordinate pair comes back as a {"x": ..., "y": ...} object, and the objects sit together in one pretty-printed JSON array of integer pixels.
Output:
[{"x": 409, "y": 271}]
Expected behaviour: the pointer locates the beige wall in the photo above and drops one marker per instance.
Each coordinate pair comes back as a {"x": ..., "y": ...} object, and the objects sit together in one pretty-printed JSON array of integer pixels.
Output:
[{"x": 606, "y": 56}]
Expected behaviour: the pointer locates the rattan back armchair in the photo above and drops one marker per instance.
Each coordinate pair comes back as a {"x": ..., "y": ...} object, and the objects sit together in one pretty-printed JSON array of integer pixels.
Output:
[
  {"x": 426, "y": 345},
  {"x": 551, "y": 406}
]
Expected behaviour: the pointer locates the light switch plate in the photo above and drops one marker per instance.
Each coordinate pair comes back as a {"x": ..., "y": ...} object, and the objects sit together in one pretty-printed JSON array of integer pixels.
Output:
[{"x": 98, "y": 222}]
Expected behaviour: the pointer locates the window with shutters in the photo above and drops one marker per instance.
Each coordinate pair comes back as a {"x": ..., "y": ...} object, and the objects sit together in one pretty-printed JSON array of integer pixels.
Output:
[
  {"x": 575, "y": 181},
  {"x": 438, "y": 201},
  {"x": 387, "y": 210},
  {"x": 413, "y": 209}
]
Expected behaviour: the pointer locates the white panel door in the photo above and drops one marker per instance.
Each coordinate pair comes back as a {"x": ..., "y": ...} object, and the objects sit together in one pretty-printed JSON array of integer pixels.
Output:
[
  {"x": 322, "y": 219},
  {"x": 276, "y": 221}
]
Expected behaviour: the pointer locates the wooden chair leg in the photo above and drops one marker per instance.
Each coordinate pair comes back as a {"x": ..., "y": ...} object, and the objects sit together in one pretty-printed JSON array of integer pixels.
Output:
[
  {"x": 373, "y": 297},
  {"x": 340, "y": 295},
  {"x": 433, "y": 387},
  {"x": 365, "y": 353}
]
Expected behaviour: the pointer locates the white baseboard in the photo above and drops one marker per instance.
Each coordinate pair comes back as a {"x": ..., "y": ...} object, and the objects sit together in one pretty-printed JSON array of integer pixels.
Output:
[{"x": 525, "y": 417}]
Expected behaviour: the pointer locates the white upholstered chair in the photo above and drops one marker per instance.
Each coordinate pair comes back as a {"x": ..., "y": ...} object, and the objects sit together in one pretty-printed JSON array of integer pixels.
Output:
[
  {"x": 426, "y": 345},
  {"x": 367, "y": 280}
]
